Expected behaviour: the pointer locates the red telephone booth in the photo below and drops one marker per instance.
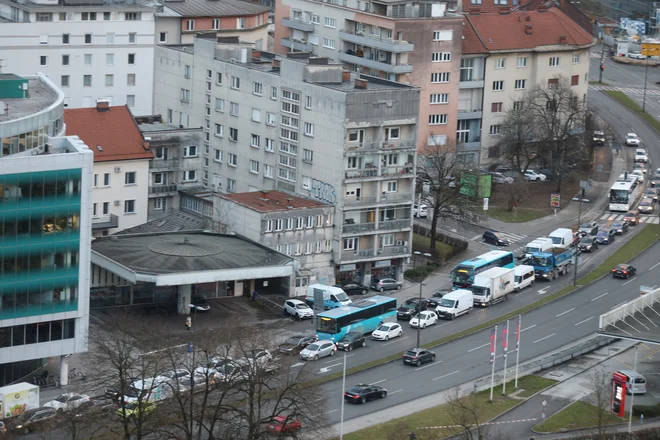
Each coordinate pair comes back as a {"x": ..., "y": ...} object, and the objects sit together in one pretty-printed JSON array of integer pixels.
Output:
[{"x": 618, "y": 401}]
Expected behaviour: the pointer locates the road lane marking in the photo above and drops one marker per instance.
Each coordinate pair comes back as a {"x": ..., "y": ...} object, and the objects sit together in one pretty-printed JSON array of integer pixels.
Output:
[
  {"x": 543, "y": 291},
  {"x": 477, "y": 348},
  {"x": 626, "y": 123},
  {"x": 476, "y": 236},
  {"x": 448, "y": 374},
  {"x": 331, "y": 411},
  {"x": 531, "y": 326},
  {"x": 394, "y": 392},
  {"x": 395, "y": 340},
  {"x": 629, "y": 281},
  {"x": 582, "y": 322},
  {"x": 348, "y": 355},
  {"x": 618, "y": 305},
  {"x": 563, "y": 313},
  {"x": 654, "y": 266},
  {"x": 429, "y": 365},
  {"x": 299, "y": 364},
  {"x": 380, "y": 381},
  {"x": 543, "y": 338},
  {"x": 326, "y": 369},
  {"x": 600, "y": 296}
]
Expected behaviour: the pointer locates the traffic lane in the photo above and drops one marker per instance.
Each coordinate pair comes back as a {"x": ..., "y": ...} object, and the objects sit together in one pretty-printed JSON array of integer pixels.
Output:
[
  {"x": 622, "y": 75},
  {"x": 652, "y": 103}
]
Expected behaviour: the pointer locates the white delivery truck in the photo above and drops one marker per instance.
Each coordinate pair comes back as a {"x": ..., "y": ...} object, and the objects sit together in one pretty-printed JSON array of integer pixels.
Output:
[
  {"x": 492, "y": 286},
  {"x": 540, "y": 244},
  {"x": 333, "y": 297},
  {"x": 562, "y": 237},
  {"x": 454, "y": 304},
  {"x": 18, "y": 398}
]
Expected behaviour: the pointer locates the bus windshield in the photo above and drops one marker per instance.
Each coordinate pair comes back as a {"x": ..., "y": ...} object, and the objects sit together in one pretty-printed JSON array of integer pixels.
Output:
[
  {"x": 619, "y": 196},
  {"x": 326, "y": 325},
  {"x": 463, "y": 274}
]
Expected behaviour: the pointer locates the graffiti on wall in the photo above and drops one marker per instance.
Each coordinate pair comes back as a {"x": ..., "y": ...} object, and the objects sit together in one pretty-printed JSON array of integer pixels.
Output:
[{"x": 324, "y": 191}]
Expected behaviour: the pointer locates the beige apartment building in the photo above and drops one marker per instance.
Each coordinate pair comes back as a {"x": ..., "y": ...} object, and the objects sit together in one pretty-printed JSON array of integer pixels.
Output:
[{"x": 415, "y": 43}]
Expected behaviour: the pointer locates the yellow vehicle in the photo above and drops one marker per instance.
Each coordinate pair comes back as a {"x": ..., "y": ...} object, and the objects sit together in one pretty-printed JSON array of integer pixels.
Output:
[{"x": 132, "y": 409}]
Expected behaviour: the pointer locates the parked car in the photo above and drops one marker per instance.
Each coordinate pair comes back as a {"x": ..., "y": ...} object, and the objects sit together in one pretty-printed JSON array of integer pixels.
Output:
[
  {"x": 501, "y": 178},
  {"x": 298, "y": 309},
  {"x": 496, "y": 238},
  {"x": 590, "y": 228},
  {"x": 655, "y": 179},
  {"x": 353, "y": 289},
  {"x": 295, "y": 344},
  {"x": 636, "y": 56},
  {"x": 588, "y": 244},
  {"x": 381, "y": 284},
  {"x": 133, "y": 409},
  {"x": 352, "y": 340},
  {"x": 646, "y": 206},
  {"x": 424, "y": 319},
  {"x": 281, "y": 425},
  {"x": 632, "y": 139},
  {"x": 605, "y": 236},
  {"x": 363, "y": 393},
  {"x": 420, "y": 210},
  {"x": 632, "y": 217},
  {"x": 33, "y": 420},
  {"x": 533, "y": 176},
  {"x": 639, "y": 166},
  {"x": 68, "y": 401},
  {"x": 199, "y": 304},
  {"x": 386, "y": 331},
  {"x": 434, "y": 301},
  {"x": 623, "y": 271},
  {"x": 418, "y": 356},
  {"x": 651, "y": 193},
  {"x": 410, "y": 308},
  {"x": 620, "y": 227},
  {"x": 641, "y": 155},
  {"x": 598, "y": 138},
  {"x": 318, "y": 350}
]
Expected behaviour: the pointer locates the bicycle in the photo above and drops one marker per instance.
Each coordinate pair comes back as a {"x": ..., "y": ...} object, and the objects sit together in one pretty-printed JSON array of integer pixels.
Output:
[{"x": 73, "y": 374}]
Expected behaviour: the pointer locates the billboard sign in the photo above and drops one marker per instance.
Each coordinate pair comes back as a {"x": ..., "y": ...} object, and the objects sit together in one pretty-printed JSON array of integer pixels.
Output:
[
  {"x": 555, "y": 200},
  {"x": 475, "y": 185},
  {"x": 618, "y": 401},
  {"x": 651, "y": 49}
]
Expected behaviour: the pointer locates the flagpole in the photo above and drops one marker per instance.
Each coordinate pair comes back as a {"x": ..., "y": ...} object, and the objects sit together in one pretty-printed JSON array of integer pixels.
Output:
[
  {"x": 518, "y": 348},
  {"x": 505, "y": 343},
  {"x": 493, "y": 350}
]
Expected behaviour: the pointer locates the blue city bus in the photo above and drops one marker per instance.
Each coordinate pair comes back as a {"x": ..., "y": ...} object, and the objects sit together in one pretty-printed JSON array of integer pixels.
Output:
[
  {"x": 363, "y": 316},
  {"x": 462, "y": 276}
]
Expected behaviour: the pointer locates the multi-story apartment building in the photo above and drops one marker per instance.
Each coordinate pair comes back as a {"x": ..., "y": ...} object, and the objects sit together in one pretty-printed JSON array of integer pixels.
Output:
[
  {"x": 504, "y": 56},
  {"x": 178, "y": 21},
  {"x": 102, "y": 49},
  {"x": 44, "y": 230},
  {"x": 120, "y": 184},
  {"x": 293, "y": 225},
  {"x": 417, "y": 43},
  {"x": 176, "y": 164},
  {"x": 303, "y": 126}
]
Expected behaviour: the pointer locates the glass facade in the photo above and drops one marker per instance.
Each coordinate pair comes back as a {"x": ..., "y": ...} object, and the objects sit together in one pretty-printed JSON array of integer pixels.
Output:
[
  {"x": 39, "y": 242},
  {"x": 35, "y": 138}
]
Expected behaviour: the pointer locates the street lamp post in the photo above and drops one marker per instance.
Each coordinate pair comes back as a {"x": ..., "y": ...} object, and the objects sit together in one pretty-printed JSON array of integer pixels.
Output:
[
  {"x": 416, "y": 253},
  {"x": 577, "y": 252},
  {"x": 421, "y": 284},
  {"x": 646, "y": 74}
]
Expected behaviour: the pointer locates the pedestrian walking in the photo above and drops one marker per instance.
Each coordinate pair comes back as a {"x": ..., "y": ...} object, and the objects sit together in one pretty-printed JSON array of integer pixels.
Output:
[{"x": 188, "y": 323}]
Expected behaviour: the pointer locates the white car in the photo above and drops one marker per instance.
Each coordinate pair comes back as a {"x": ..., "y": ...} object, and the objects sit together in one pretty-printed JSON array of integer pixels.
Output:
[
  {"x": 386, "y": 331},
  {"x": 420, "y": 211},
  {"x": 641, "y": 155},
  {"x": 639, "y": 174},
  {"x": 632, "y": 139},
  {"x": 318, "y": 350},
  {"x": 298, "y": 309},
  {"x": 636, "y": 56},
  {"x": 69, "y": 401},
  {"x": 501, "y": 178},
  {"x": 533, "y": 176},
  {"x": 424, "y": 319},
  {"x": 259, "y": 357}
]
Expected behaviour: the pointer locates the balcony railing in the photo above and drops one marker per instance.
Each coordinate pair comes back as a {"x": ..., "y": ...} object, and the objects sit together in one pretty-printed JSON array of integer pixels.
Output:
[
  {"x": 389, "y": 251},
  {"x": 387, "y": 198},
  {"x": 165, "y": 163},
  {"x": 393, "y": 251},
  {"x": 382, "y": 145},
  {"x": 358, "y": 227},
  {"x": 400, "y": 171},
  {"x": 162, "y": 189},
  {"x": 298, "y": 24},
  {"x": 396, "y": 197},
  {"x": 394, "y": 224},
  {"x": 373, "y": 64},
  {"x": 106, "y": 222},
  {"x": 296, "y": 45},
  {"x": 376, "y": 41}
]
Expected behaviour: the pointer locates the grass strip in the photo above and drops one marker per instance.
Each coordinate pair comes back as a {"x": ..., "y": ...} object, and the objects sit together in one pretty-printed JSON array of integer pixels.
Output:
[
  {"x": 634, "y": 107},
  {"x": 446, "y": 415},
  {"x": 577, "y": 415},
  {"x": 521, "y": 216},
  {"x": 598, "y": 83},
  {"x": 423, "y": 243},
  {"x": 635, "y": 246}
]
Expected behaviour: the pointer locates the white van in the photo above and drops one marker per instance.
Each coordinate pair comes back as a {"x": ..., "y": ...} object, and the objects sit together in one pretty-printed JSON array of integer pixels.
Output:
[
  {"x": 541, "y": 244},
  {"x": 523, "y": 276},
  {"x": 562, "y": 237},
  {"x": 333, "y": 297},
  {"x": 455, "y": 303},
  {"x": 635, "y": 382}
]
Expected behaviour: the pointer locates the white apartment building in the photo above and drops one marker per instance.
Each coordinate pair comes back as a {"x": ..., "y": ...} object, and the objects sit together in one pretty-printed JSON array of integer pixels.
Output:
[
  {"x": 540, "y": 47},
  {"x": 101, "y": 50},
  {"x": 304, "y": 126},
  {"x": 120, "y": 184}
]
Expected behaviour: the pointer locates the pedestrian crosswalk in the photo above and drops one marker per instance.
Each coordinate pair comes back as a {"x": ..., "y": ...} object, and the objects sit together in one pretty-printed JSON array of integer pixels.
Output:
[
  {"x": 521, "y": 240},
  {"x": 628, "y": 90},
  {"x": 652, "y": 219}
]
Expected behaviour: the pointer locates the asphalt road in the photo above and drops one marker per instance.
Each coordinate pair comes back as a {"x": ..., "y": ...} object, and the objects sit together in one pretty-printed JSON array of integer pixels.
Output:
[
  {"x": 545, "y": 329},
  {"x": 622, "y": 75}
]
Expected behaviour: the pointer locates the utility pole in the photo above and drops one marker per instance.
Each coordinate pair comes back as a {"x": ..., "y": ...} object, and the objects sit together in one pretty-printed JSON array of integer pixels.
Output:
[
  {"x": 646, "y": 74},
  {"x": 577, "y": 252},
  {"x": 602, "y": 60}
]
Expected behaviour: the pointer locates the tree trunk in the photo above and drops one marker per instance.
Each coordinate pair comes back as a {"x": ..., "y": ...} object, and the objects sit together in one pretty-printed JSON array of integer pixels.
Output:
[{"x": 434, "y": 230}]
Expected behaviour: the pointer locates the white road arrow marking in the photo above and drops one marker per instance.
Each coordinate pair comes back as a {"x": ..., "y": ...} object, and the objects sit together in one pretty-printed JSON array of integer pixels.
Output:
[
  {"x": 299, "y": 364},
  {"x": 326, "y": 369},
  {"x": 542, "y": 291}
]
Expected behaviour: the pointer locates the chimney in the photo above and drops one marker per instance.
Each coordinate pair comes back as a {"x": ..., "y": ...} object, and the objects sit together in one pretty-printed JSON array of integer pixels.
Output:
[
  {"x": 102, "y": 105},
  {"x": 275, "y": 64},
  {"x": 264, "y": 194},
  {"x": 360, "y": 83},
  {"x": 562, "y": 39},
  {"x": 528, "y": 29},
  {"x": 345, "y": 75}
]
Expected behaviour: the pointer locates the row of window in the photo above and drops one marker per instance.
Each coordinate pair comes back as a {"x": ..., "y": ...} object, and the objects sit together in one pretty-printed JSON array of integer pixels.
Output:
[
  {"x": 88, "y": 59},
  {"x": 86, "y": 16},
  {"x": 130, "y": 178},
  {"x": 40, "y": 332},
  {"x": 23, "y": 188},
  {"x": 521, "y": 62},
  {"x": 298, "y": 223},
  {"x": 521, "y": 84},
  {"x": 38, "y": 263},
  {"x": 38, "y": 224},
  {"x": 89, "y": 38},
  {"x": 353, "y": 243},
  {"x": 215, "y": 23},
  {"x": 65, "y": 81},
  {"x": 308, "y": 248}
]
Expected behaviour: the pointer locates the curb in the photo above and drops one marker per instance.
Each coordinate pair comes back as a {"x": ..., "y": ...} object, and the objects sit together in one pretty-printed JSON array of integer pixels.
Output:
[{"x": 631, "y": 111}]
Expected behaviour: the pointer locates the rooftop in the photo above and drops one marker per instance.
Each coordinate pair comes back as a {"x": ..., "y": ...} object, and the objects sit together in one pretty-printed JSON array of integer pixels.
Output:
[
  {"x": 154, "y": 123},
  {"x": 89, "y": 5},
  {"x": 111, "y": 132},
  {"x": 271, "y": 201},
  {"x": 171, "y": 252},
  {"x": 214, "y": 8},
  {"x": 40, "y": 96},
  {"x": 175, "y": 222}
]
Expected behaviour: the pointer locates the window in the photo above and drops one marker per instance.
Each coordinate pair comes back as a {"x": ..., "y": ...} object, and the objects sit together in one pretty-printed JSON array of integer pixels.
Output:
[
  {"x": 315, "y": 19},
  {"x": 440, "y": 77},
  {"x": 286, "y": 147},
  {"x": 190, "y": 151},
  {"x": 43, "y": 60},
  {"x": 496, "y": 107},
  {"x": 235, "y": 83},
  {"x": 517, "y": 105},
  {"x": 129, "y": 206},
  {"x": 132, "y": 16},
  {"x": 576, "y": 58},
  {"x": 240, "y": 23},
  {"x": 190, "y": 25},
  {"x": 256, "y": 115},
  {"x": 520, "y": 84},
  {"x": 495, "y": 130},
  {"x": 131, "y": 58},
  {"x": 87, "y": 80},
  {"x": 575, "y": 80},
  {"x": 233, "y": 108},
  {"x": 329, "y": 22},
  {"x": 106, "y": 208},
  {"x": 65, "y": 38},
  {"x": 44, "y": 16},
  {"x": 306, "y": 183},
  {"x": 232, "y": 159},
  {"x": 439, "y": 98},
  {"x": 553, "y": 62},
  {"x": 130, "y": 79},
  {"x": 160, "y": 178},
  {"x": 521, "y": 62},
  {"x": 442, "y": 35},
  {"x": 106, "y": 179},
  {"x": 553, "y": 83},
  {"x": 350, "y": 244},
  {"x": 87, "y": 59},
  {"x": 64, "y": 81},
  {"x": 268, "y": 171},
  {"x": 219, "y": 130},
  {"x": 308, "y": 102},
  {"x": 129, "y": 178},
  {"x": 498, "y": 86},
  {"x": 289, "y": 134},
  {"x": 329, "y": 43},
  {"x": 500, "y": 63},
  {"x": 273, "y": 93},
  {"x": 287, "y": 161},
  {"x": 269, "y": 145},
  {"x": 233, "y": 134},
  {"x": 254, "y": 167},
  {"x": 255, "y": 140},
  {"x": 217, "y": 155},
  {"x": 189, "y": 176},
  {"x": 308, "y": 156},
  {"x": 231, "y": 185},
  {"x": 356, "y": 136},
  {"x": 185, "y": 95},
  {"x": 132, "y": 37},
  {"x": 309, "y": 129},
  {"x": 109, "y": 59},
  {"x": 130, "y": 100},
  {"x": 257, "y": 88},
  {"x": 437, "y": 119},
  {"x": 106, "y": 16},
  {"x": 219, "y": 105},
  {"x": 109, "y": 80},
  {"x": 290, "y": 95},
  {"x": 159, "y": 203},
  {"x": 215, "y": 24},
  {"x": 391, "y": 186},
  {"x": 291, "y": 108},
  {"x": 440, "y": 57},
  {"x": 110, "y": 38},
  {"x": 162, "y": 37},
  {"x": 309, "y": 221}
]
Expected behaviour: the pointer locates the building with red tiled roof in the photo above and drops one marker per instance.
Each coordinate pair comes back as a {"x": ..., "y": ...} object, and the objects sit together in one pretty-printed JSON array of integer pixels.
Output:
[
  {"x": 121, "y": 165},
  {"x": 504, "y": 55},
  {"x": 297, "y": 226}
]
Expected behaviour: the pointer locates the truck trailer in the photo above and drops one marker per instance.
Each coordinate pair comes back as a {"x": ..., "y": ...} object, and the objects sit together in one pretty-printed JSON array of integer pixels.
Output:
[
  {"x": 18, "y": 398},
  {"x": 492, "y": 286},
  {"x": 549, "y": 265}
]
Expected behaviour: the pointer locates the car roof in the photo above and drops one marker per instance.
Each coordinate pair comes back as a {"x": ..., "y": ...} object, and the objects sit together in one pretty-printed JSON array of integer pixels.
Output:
[
  {"x": 296, "y": 301},
  {"x": 416, "y": 349},
  {"x": 640, "y": 150},
  {"x": 631, "y": 134}
]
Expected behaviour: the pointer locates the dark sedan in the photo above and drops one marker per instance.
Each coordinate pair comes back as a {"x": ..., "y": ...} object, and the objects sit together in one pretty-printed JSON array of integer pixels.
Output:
[
  {"x": 605, "y": 236},
  {"x": 417, "y": 356},
  {"x": 588, "y": 244},
  {"x": 655, "y": 179},
  {"x": 646, "y": 206},
  {"x": 363, "y": 393},
  {"x": 410, "y": 308},
  {"x": 353, "y": 289},
  {"x": 295, "y": 344},
  {"x": 351, "y": 340},
  {"x": 623, "y": 271},
  {"x": 651, "y": 193},
  {"x": 620, "y": 227},
  {"x": 434, "y": 301},
  {"x": 496, "y": 238}
]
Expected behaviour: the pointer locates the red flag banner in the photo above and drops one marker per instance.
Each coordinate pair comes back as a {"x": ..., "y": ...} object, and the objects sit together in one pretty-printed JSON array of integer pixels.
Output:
[
  {"x": 505, "y": 338},
  {"x": 518, "y": 333},
  {"x": 492, "y": 344}
]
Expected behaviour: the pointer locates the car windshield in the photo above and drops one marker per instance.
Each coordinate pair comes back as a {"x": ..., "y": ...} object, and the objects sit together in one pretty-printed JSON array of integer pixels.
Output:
[
  {"x": 62, "y": 399},
  {"x": 541, "y": 261},
  {"x": 585, "y": 226},
  {"x": 350, "y": 336},
  {"x": 632, "y": 136},
  {"x": 617, "y": 225},
  {"x": 586, "y": 240},
  {"x": 408, "y": 306},
  {"x": 342, "y": 296},
  {"x": 629, "y": 215},
  {"x": 199, "y": 300},
  {"x": 621, "y": 267},
  {"x": 532, "y": 249},
  {"x": 645, "y": 203},
  {"x": 411, "y": 353},
  {"x": 449, "y": 303},
  {"x": 292, "y": 341},
  {"x": 384, "y": 328},
  {"x": 603, "y": 233},
  {"x": 302, "y": 306}
]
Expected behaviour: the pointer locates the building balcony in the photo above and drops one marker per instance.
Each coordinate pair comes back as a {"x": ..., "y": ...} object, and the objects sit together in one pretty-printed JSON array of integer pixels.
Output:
[
  {"x": 105, "y": 222},
  {"x": 469, "y": 114},
  {"x": 371, "y": 254},
  {"x": 163, "y": 190},
  {"x": 471, "y": 84},
  {"x": 388, "y": 225},
  {"x": 357, "y": 148},
  {"x": 299, "y": 25},
  {"x": 379, "y": 173},
  {"x": 166, "y": 164},
  {"x": 376, "y": 41},
  {"x": 373, "y": 64},
  {"x": 297, "y": 45},
  {"x": 358, "y": 228},
  {"x": 384, "y": 199},
  {"x": 393, "y": 225},
  {"x": 474, "y": 145}
]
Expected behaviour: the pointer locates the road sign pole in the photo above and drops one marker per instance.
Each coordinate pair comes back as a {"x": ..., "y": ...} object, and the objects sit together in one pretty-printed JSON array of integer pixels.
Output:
[
  {"x": 343, "y": 387},
  {"x": 646, "y": 74},
  {"x": 632, "y": 395},
  {"x": 518, "y": 349},
  {"x": 575, "y": 269},
  {"x": 505, "y": 343},
  {"x": 602, "y": 57},
  {"x": 493, "y": 351}
]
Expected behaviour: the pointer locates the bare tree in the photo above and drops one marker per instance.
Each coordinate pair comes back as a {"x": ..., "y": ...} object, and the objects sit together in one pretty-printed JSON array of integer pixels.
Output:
[
  {"x": 517, "y": 141},
  {"x": 464, "y": 412},
  {"x": 222, "y": 219},
  {"x": 599, "y": 384}
]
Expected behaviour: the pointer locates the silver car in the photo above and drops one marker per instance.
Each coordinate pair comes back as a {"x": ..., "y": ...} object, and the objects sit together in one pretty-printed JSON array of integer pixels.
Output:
[{"x": 318, "y": 350}]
